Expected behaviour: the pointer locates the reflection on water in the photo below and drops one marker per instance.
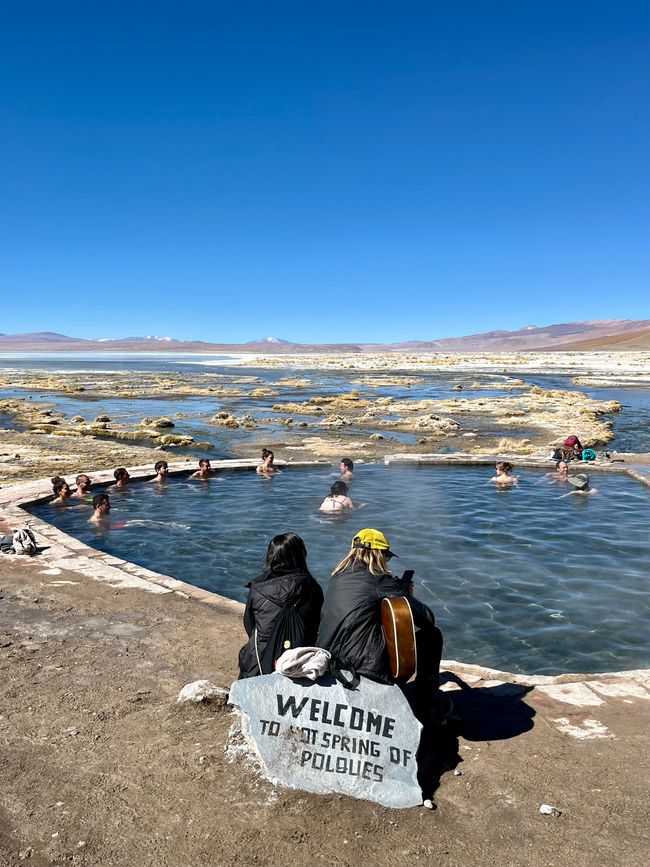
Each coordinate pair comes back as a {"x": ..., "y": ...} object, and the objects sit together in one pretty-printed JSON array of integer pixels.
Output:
[{"x": 519, "y": 580}]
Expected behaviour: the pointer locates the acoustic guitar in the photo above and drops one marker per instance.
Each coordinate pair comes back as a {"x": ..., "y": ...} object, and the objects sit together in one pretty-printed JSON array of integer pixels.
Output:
[{"x": 399, "y": 632}]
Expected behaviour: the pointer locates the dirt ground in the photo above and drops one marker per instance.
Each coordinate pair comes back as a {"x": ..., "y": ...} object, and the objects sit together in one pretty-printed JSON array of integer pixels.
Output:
[{"x": 100, "y": 766}]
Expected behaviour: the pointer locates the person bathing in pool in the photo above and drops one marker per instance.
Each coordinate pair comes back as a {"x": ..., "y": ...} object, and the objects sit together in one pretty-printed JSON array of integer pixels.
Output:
[
  {"x": 162, "y": 472},
  {"x": 204, "y": 471},
  {"x": 503, "y": 476},
  {"x": 560, "y": 475},
  {"x": 121, "y": 476},
  {"x": 338, "y": 500},
  {"x": 62, "y": 492},
  {"x": 83, "y": 483},
  {"x": 101, "y": 508},
  {"x": 581, "y": 486},
  {"x": 346, "y": 468},
  {"x": 267, "y": 467}
]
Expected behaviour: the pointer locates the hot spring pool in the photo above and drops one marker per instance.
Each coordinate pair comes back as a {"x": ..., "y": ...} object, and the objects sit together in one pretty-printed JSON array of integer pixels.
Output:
[{"x": 518, "y": 579}]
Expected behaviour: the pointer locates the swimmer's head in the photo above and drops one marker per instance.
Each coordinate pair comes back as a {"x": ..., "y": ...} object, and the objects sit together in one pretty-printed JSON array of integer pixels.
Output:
[
  {"x": 102, "y": 503},
  {"x": 580, "y": 481},
  {"x": 83, "y": 481},
  {"x": 60, "y": 486},
  {"x": 339, "y": 489},
  {"x": 562, "y": 467},
  {"x": 503, "y": 467},
  {"x": 266, "y": 454},
  {"x": 121, "y": 474},
  {"x": 204, "y": 464},
  {"x": 346, "y": 465},
  {"x": 160, "y": 466}
]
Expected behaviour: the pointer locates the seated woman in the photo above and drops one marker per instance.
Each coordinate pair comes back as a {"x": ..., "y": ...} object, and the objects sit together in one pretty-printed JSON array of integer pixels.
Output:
[
  {"x": 503, "y": 476},
  {"x": 267, "y": 467},
  {"x": 121, "y": 476},
  {"x": 338, "y": 500},
  {"x": 61, "y": 488},
  {"x": 351, "y": 622},
  {"x": 83, "y": 483},
  {"x": 283, "y": 607}
]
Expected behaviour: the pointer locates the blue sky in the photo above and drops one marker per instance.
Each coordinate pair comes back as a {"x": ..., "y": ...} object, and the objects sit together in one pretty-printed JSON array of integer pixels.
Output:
[{"x": 316, "y": 171}]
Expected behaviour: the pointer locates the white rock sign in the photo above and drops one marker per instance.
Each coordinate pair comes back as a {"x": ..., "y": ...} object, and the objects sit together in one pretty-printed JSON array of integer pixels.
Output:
[{"x": 323, "y": 738}]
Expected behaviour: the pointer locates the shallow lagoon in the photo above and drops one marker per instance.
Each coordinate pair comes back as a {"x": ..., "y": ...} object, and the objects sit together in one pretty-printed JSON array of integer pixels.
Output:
[{"x": 518, "y": 579}]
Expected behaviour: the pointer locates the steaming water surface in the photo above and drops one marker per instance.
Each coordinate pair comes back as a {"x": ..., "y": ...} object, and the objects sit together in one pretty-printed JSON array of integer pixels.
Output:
[{"x": 518, "y": 579}]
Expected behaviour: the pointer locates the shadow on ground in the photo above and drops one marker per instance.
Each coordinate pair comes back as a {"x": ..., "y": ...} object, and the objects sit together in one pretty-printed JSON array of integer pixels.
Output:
[{"x": 488, "y": 713}]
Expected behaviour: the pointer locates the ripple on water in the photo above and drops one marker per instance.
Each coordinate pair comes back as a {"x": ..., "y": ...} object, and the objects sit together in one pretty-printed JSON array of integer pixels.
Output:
[{"x": 525, "y": 582}]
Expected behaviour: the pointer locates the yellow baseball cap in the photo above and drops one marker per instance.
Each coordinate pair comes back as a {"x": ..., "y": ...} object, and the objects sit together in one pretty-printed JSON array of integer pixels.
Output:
[{"x": 374, "y": 540}]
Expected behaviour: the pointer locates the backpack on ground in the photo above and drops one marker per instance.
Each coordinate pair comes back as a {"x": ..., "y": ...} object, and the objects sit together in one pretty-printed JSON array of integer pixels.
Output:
[
  {"x": 24, "y": 542},
  {"x": 589, "y": 455}
]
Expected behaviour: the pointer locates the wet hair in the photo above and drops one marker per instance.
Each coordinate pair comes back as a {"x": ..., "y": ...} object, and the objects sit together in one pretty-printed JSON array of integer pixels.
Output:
[
  {"x": 58, "y": 484},
  {"x": 347, "y": 463},
  {"x": 557, "y": 464},
  {"x": 504, "y": 466},
  {"x": 100, "y": 499},
  {"x": 120, "y": 473},
  {"x": 266, "y": 453},
  {"x": 204, "y": 462},
  {"x": 82, "y": 476},
  {"x": 339, "y": 489},
  {"x": 159, "y": 465},
  {"x": 374, "y": 559},
  {"x": 287, "y": 552}
]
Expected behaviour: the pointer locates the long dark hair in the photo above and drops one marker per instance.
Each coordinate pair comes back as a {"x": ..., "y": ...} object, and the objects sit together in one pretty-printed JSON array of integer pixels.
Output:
[
  {"x": 286, "y": 553},
  {"x": 339, "y": 489}
]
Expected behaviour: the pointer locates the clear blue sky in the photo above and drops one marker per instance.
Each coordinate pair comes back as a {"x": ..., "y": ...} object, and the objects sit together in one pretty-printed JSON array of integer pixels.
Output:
[{"x": 322, "y": 171}]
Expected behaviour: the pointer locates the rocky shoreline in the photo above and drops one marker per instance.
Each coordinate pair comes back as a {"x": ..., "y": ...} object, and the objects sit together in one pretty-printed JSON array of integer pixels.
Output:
[{"x": 292, "y": 416}]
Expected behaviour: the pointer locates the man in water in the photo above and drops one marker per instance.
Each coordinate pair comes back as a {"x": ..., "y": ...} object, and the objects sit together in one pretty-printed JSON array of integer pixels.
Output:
[
  {"x": 83, "y": 486},
  {"x": 101, "y": 508},
  {"x": 204, "y": 471},
  {"x": 121, "y": 476},
  {"x": 162, "y": 471},
  {"x": 346, "y": 468}
]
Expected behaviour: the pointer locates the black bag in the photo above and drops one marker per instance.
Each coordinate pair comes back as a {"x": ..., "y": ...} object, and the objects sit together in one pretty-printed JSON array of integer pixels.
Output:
[{"x": 288, "y": 631}]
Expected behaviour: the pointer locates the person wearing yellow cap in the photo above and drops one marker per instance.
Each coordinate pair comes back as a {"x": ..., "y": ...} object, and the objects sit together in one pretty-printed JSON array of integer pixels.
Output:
[{"x": 350, "y": 626}]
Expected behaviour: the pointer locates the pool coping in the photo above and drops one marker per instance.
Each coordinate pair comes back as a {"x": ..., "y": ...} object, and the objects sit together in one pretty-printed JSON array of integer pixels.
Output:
[{"x": 62, "y": 551}]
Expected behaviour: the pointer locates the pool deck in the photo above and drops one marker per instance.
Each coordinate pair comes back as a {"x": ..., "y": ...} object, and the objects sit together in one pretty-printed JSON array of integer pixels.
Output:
[{"x": 100, "y": 767}]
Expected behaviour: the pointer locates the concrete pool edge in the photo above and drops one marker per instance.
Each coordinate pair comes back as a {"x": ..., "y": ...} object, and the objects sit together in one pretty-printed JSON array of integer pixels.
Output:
[{"x": 64, "y": 552}]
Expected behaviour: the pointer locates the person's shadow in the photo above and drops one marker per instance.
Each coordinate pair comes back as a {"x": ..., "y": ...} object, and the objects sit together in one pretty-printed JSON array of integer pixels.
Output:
[{"x": 480, "y": 714}]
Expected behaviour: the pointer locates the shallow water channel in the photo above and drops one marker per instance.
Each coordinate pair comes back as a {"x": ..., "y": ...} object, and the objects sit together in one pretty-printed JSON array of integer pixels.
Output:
[{"x": 518, "y": 579}]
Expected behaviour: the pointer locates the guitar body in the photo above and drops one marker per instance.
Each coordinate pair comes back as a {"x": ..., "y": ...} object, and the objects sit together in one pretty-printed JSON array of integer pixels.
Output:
[{"x": 399, "y": 632}]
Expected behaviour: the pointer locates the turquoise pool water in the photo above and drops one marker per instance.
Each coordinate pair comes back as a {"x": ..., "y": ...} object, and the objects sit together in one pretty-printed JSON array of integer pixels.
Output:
[{"x": 519, "y": 579}]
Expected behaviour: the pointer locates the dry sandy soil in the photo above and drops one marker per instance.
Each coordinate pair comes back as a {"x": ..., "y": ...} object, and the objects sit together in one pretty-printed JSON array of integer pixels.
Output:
[{"x": 99, "y": 766}]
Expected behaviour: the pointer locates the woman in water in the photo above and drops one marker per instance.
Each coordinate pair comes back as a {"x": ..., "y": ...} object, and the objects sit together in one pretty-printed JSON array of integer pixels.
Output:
[
  {"x": 62, "y": 492},
  {"x": 83, "y": 484},
  {"x": 283, "y": 607},
  {"x": 267, "y": 467},
  {"x": 503, "y": 476},
  {"x": 338, "y": 499}
]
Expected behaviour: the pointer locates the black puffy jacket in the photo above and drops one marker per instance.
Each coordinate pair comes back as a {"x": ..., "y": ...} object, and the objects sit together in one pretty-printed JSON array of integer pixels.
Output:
[
  {"x": 351, "y": 623},
  {"x": 269, "y": 595}
]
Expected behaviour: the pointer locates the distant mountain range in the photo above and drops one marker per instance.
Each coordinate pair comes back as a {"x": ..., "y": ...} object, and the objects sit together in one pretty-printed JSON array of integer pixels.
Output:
[{"x": 598, "y": 334}]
